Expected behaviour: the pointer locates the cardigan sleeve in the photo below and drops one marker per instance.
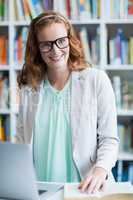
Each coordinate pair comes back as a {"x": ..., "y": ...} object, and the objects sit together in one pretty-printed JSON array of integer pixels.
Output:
[{"x": 108, "y": 140}]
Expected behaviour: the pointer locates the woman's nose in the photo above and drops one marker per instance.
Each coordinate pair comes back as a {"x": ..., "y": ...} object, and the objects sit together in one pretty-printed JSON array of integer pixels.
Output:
[{"x": 55, "y": 48}]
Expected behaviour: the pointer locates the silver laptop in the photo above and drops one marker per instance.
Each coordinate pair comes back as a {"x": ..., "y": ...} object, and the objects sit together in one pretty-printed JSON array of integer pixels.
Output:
[{"x": 17, "y": 177}]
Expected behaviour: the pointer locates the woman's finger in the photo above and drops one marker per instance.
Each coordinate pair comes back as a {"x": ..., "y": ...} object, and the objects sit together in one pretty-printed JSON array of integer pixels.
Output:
[
  {"x": 92, "y": 185},
  {"x": 84, "y": 185},
  {"x": 97, "y": 186}
]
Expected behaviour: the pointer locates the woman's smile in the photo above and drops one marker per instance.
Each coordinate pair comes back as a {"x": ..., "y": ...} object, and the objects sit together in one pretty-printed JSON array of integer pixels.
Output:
[{"x": 56, "y": 58}]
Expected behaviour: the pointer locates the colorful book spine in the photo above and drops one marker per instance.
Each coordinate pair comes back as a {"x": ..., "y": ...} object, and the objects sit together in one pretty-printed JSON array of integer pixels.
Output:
[
  {"x": 6, "y": 125},
  {"x": 74, "y": 10},
  {"x": 20, "y": 44},
  {"x": 26, "y": 10},
  {"x": 1, "y": 10},
  {"x": 130, "y": 8},
  {"x": 32, "y": 9},
  {"x": 19, "y": 11},
  {"x": 84, "y": 9},
  {"x": 68, "y": 8},
  {"x": 38, "y": 6},
  {"x": 131, "y": 50},
  {"x": 2, "y": 133},
  {"x": 3, "y": 50}
]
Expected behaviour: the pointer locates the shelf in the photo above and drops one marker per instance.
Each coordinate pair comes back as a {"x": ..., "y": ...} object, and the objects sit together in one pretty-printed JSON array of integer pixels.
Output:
[
  {"x": 90, "y": 21},
  {"x": 102, "y": 27},
  {"x": 119, "y": 67},
  {"x": 4, "y": 67},
  {"x": 125, "y": 156},
  {"x": 118, "y": 21},
  {"x": 124, "y": 113},
  {"x": 5, "y": 111},
  {"x": 17, "y": 66},
  {"x": 4, "y": 23},
  {"x": 20, "y": 23}
]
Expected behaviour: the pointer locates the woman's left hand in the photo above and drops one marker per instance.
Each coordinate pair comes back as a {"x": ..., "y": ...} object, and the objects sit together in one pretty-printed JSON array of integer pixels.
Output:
[{"x": 94, "y": 181}]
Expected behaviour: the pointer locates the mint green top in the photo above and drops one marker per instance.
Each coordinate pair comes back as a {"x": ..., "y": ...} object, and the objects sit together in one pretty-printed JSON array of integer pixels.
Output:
[{"x": 52, "y": 136}]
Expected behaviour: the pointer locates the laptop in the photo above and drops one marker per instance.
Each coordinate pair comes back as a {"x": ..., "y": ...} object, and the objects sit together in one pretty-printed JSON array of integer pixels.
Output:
[{"x": 17, "y": 175}]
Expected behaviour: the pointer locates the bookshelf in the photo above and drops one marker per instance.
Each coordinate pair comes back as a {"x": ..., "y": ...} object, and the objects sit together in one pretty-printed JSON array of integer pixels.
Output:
[{"x": 101, "y": 23}]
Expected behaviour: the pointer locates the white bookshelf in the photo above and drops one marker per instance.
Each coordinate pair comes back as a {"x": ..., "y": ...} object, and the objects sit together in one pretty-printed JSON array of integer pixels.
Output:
[
  {"x": 125, "y": 156},
  {"x": 103, "y": 23}
]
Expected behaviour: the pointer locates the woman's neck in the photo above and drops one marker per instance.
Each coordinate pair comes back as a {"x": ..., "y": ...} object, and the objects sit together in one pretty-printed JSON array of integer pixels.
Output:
[{"x": 58, "y": 78}]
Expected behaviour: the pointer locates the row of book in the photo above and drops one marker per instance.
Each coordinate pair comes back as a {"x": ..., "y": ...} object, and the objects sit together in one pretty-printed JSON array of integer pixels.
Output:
[
  {"x": 4, "y": 11},
  {"x": 91, "y": 44},
  {"x": 118, "y": 9},
  {"x": 29, "y": 9},
  {"x": 120, "y": 49},
  {"x": 3, "y": 50},
  {"x": 4, "y": 90},
  {"x": 75, "y": 9},
  {"x": 123, "y": 171},
  {"x": 123, "y": 90},
  {"x": 4, "y": 128},
  {"x": 125, "y": 131},
  {"x": 78, "y": 9}
]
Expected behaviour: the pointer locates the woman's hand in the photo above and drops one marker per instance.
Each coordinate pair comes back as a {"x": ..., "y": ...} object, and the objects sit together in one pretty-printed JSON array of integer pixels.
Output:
[{"x": 94, "y": 181}]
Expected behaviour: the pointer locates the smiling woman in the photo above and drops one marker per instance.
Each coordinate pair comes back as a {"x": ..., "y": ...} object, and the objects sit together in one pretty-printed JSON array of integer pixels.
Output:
[{"x": 65, "y": 112}]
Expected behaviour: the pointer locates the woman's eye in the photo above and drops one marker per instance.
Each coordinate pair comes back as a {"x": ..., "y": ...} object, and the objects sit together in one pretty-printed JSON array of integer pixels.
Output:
[
  {"x": 61, "y": 40},
  {"x": 47, "y": 44}
]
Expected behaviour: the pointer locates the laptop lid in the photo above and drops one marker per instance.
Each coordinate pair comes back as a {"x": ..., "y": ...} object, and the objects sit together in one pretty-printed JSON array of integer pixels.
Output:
[{"x": 17, "y": 178}]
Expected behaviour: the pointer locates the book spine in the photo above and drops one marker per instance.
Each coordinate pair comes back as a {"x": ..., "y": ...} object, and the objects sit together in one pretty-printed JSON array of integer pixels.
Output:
[
  {"x": 26, "y": 10},
  {"x": 3, "y": 50},
  {"x": 2, "y": 133},
  {"x": 6, "y": 125},
  {"x": 32, "y": 9},
  {"x": 6, "y": 10},
  {"x": 38, "y": 6},
  {"x": 85, "y": 43},
  {"x": 74, "y": 10},
  {"x": 117, "y": 90},
  {"x": 20, "y": 13},
  {"x": 130, "y": 8},
  {"x": 68, "y": 8}
]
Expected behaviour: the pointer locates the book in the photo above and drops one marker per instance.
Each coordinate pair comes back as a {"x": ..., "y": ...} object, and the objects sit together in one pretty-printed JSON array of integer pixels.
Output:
[
  {"x": 84, "y": 38},
  {"x": 113, "y": 191},
  {"x": 19, "y": 10},
  {"x": 130, "y": 8},
  {"x": 2, "y": 132}
]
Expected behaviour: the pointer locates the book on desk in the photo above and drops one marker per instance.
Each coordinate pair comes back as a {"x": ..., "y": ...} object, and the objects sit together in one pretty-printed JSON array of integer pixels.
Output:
[{"x": 112, "y": 191}]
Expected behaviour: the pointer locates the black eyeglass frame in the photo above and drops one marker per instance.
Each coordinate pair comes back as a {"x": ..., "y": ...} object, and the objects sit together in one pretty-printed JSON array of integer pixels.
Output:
[{"x": 54, "y": 42}]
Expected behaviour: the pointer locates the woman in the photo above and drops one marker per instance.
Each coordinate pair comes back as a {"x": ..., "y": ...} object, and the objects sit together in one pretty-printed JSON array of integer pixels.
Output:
[{"x": 67, "y": 109}]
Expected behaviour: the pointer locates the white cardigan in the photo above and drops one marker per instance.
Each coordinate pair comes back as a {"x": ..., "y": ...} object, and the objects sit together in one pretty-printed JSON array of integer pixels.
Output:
[{"x": 93, "y": 120}]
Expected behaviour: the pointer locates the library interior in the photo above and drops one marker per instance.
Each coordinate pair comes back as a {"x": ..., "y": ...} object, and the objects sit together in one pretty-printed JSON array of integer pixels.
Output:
[{"x": 104, "y": 28}]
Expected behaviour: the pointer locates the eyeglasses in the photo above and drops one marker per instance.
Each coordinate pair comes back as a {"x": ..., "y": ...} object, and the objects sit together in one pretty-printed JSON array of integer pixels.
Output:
[{"x": 61, "y": 43}]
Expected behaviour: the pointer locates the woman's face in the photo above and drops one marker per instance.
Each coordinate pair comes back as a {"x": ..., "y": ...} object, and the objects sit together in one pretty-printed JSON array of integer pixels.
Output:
[{"x": 54, "y": 45}]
